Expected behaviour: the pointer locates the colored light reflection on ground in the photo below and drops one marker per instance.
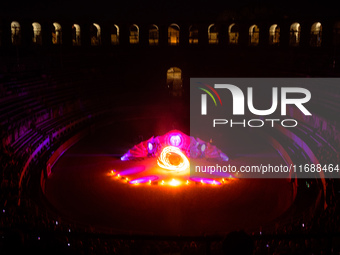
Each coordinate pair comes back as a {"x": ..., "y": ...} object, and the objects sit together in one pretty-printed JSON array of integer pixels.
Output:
[
  {"x": 132, "y": 170},
  {"x": 145, "y": 179},
  {"x": 155, "y": 175},
  {"x": 206, "y": 180}
]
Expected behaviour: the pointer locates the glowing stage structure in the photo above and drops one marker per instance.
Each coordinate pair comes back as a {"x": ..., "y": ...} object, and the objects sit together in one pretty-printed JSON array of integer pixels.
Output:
[
  {"x": 165, "y": 160},
  {"x": 173, "y": 143}
]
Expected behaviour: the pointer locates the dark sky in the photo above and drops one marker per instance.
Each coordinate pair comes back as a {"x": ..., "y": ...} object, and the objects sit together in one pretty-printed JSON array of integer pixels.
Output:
[{"x": 171, "y": 9}]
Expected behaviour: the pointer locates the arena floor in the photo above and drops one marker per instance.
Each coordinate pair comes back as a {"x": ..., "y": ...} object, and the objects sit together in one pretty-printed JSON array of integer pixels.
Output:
[{"x": 82, "y": 189}]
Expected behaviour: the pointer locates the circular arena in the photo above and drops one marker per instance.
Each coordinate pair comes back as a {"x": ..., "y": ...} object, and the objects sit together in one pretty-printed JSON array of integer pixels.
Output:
[
  {"x": 65, "y": 185},
  {"x": 83, "y": 188},
  {"x": 97, "y": 146}
]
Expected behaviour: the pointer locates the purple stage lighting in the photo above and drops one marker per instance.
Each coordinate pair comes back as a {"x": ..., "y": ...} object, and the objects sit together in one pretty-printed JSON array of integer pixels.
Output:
[
  {"x": 144, "y": 179},
  {"x": 176, "y": 140},
  {"x": 205, "y": 180},
  {"x": 133, "y": 170},
  {"x": 150, "y": 147}
]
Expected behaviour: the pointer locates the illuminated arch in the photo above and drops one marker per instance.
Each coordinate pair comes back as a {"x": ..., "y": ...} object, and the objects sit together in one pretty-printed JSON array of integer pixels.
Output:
[
  {"x": 174, "y": 79},
  {"x": 233, "y": 33},
  {"x": 37, "y": 38},
  {"x": 153, "y": 35},
  {"x": 15, "y": 33},
  {"x": 254, "y": 35},
  {"x": 295, "y": 33},
  {"x": 316, "y": 34},
  {"x": 114, "y": 35},
  {"x": 56, "y": 33},
  {"x": 173, "y": 34},
  {"x": 95, "y": 31},
  {"x": 212, "y": 34},
  {"x": 134, "y": 34},
  {"x": 193, "y": 34},
  {"x": 274, "y": 34},
  {"x": 76, "y": 36}
]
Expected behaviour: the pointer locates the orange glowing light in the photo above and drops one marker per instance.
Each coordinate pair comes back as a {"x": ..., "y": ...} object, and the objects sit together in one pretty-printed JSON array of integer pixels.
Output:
[
  {"x": 174, "y": 182},
  {"x": 172, "y": 158}
]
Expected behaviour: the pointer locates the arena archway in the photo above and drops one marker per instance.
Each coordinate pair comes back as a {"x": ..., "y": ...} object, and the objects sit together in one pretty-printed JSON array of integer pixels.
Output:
[
  {"x": 76, "y": 39},
  {"x": 15, "y": 33},
  {"x": 193, "y": 34},
  {"x": 316, "y": 35},
  {"x": 153, "y": 35},
  {"x": 212, "y": 34},
  {"x": 134, "y": 34},
  {"x": 274, "y": 34},
  {"x": 95, "y": 32},
  {"x": 56, "y": 33},
  {"x": 36, "y": 39},
  {"x": 173, "y": 34},
  {"x": 233, "y": 33},
  {"x": 295, "y": 32},
  {"x": 336, "y": 33},
  {"x": 114, "y": 35},
  {"x": 254, "y": 35},
  {"x": 174, "y": 81}
]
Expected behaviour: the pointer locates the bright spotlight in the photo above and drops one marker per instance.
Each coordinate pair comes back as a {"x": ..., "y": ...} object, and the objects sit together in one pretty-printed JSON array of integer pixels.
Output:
[{"x": 174, "y": 182}]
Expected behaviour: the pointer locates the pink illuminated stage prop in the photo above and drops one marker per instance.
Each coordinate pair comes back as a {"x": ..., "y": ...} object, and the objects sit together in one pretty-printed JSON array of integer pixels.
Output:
[{"x": 165, "y": 160}]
